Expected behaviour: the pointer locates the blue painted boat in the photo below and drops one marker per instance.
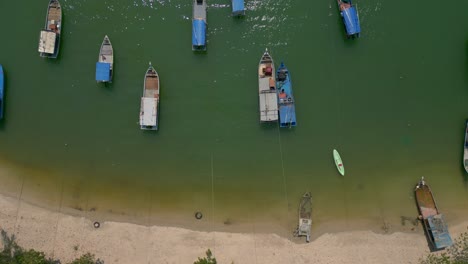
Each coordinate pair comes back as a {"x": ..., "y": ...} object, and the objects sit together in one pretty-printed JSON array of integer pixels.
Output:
[
  {"x": 286, "y": 108},
  {"x": 433, "y": 221},
  {"x": 350, "y": 17},
  {"x": 199, "y": 25},
  {"x": 2, "y": 83},
  {"x": 238, "y": 8}
]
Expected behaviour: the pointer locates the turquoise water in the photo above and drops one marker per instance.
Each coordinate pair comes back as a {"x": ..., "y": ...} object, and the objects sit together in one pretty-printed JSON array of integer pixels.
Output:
[{"x": 392, "y": 102}]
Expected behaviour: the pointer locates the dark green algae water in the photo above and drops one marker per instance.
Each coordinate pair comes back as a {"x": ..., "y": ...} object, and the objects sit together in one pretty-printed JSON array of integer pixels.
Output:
[{"x": 393, "y": 102}]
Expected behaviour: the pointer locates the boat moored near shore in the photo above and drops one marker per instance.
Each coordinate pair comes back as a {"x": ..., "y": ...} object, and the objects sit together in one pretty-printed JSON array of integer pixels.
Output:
[
  {"x": 350, "y": 17},
  {"x": 104, "y": 66},
  {"x": 150, "y": 100},
  {"x": 433, "y": 221},
  {"x": 49, "y": 39},
  {"x": 199, "y": 25},
  {"x": 286, "y": 103},
  {"x": 305, "y": 216},
  {"x": 267, "y": 89},
  {"x": 2, "y": 92},
  {"x": 465, "y": 148}
]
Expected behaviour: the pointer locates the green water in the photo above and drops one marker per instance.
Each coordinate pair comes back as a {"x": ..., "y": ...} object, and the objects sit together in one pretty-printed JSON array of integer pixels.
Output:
[{"x": 393, "y": 102}]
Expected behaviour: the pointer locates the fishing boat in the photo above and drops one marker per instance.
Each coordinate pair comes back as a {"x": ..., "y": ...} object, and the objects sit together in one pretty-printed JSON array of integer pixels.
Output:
[
  {"x": 49, "y": 39},
  {"x": 199, "y": 25},
  {"x": 238, "y": 8},
  {"x": 267, "y": 89},
  {"x": 150, "y": 100},
  {"x": 305, "y": 216},
  {"x": 287, "y": 110},
  {"x": 2, "y": 83},
  {"x": 350, "y": 17},
  {"x": 104, "y": 66},
  {"x": 465, "y": 152},
  {"x": 338, "y": 162},
  {"x": 433, "y": 221}
]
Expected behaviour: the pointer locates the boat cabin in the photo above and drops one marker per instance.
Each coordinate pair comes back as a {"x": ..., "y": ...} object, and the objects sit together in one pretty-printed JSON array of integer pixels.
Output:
[
  {"x": 47, "y": 41},
  {"x": 238, "y": 8},
  {"x": 103, "y": 72}
]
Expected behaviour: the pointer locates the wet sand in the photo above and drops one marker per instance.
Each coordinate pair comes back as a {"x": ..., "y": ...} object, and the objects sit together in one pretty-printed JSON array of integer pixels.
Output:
[{"x": 66, "y": 237}]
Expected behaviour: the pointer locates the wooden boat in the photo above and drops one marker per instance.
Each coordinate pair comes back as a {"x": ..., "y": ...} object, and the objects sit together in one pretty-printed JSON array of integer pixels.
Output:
[
  {"x": 350, "y": 17},
  {"x": 267, "y": 89},
  {"x": 2, "y": 83},
  {"x": 49, "y": 39},
  {"x": 150, "y": 100},
  {"x": 286, "y": 103},
  {"x": 465, "y": 152},
  {"x": 433, "y": 221},
  {"x": 238, "y": 8},
  {"x": 199, "y": 25},
  {"x": 305, "y": 216},
  {"x": 105, "y": 64},
  {"x": 338, "y": 162}
]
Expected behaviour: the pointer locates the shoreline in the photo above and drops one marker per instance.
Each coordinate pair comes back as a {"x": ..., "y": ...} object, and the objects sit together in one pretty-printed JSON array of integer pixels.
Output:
[{"x": 66, "y": 237}]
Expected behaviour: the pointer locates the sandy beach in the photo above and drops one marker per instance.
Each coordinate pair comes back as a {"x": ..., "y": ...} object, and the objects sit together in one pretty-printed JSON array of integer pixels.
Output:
[{"x": 67, "y": 237}]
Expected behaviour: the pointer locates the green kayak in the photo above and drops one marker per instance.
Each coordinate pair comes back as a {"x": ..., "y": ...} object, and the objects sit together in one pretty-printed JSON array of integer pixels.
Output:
[{"x": 338, "y": 162}]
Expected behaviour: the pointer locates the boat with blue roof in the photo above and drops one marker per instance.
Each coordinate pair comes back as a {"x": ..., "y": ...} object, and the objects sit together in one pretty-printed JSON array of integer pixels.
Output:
[
  {"x": 286, "y": 107},
  {"x": 199, "y": 25},
  {"x": 433, "y": 221},
  {"x": 49, "y": 39},
  {"x": 105, "y": 64},
  {"x": 238, "y": 8},
  {"x": 350, "y": 16},
  {"x": 2, "y": 83}
]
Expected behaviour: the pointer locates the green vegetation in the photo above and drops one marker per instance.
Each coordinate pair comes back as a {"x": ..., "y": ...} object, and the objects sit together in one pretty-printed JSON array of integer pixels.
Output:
[
  {"x": 208, "y": 260},
  {"x": 455, "y": 254},
  {"x": 12, "y": 253}
]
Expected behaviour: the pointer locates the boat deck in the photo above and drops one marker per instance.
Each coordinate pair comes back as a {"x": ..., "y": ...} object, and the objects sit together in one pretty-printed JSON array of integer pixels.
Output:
[
  {"x": 106, "y": 54},
  {"x": 199, "y": 10},
  {"x": 426, "y": 202},
  {"x": 55, "y": 14},
  {"x": 151, "y": 87}
]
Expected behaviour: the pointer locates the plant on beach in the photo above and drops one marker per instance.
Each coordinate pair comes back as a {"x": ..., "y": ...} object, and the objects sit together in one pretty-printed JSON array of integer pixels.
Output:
[
  {"x": 455, "y": 254},
  {"x": 208, "y": 260},
  {"x": 12, "y": 253}
]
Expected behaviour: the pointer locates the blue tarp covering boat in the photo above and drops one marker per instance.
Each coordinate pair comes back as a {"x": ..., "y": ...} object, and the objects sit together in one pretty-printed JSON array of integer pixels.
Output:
[
  {"x": 198, "y": 34},
  {"x": 351, "y": 21},
  {"x": 1, "y": 91},
  {"x": 103, "y": 71},
  {"x": 238, "y": 8},
  {"x": 286, "y": 103},
  {"x": 439, "y": 231}
]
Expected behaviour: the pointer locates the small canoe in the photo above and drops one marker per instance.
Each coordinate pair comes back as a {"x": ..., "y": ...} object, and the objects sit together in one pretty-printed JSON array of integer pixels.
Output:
[
  {"x": 338, "y": 162},
  {"x": 350, "y": 17},
  {"x": 49, "y": 39},
  {"x": 2, "y": 107},
  {"x": 305, "y": 216},
  {"x": 433, "y": 221},
  {"x": 150, "y": 100},
  {"x": 465, "y": 152},
  {"x": 267, "y": 89},
  {"x": 105, "y": 64}
]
